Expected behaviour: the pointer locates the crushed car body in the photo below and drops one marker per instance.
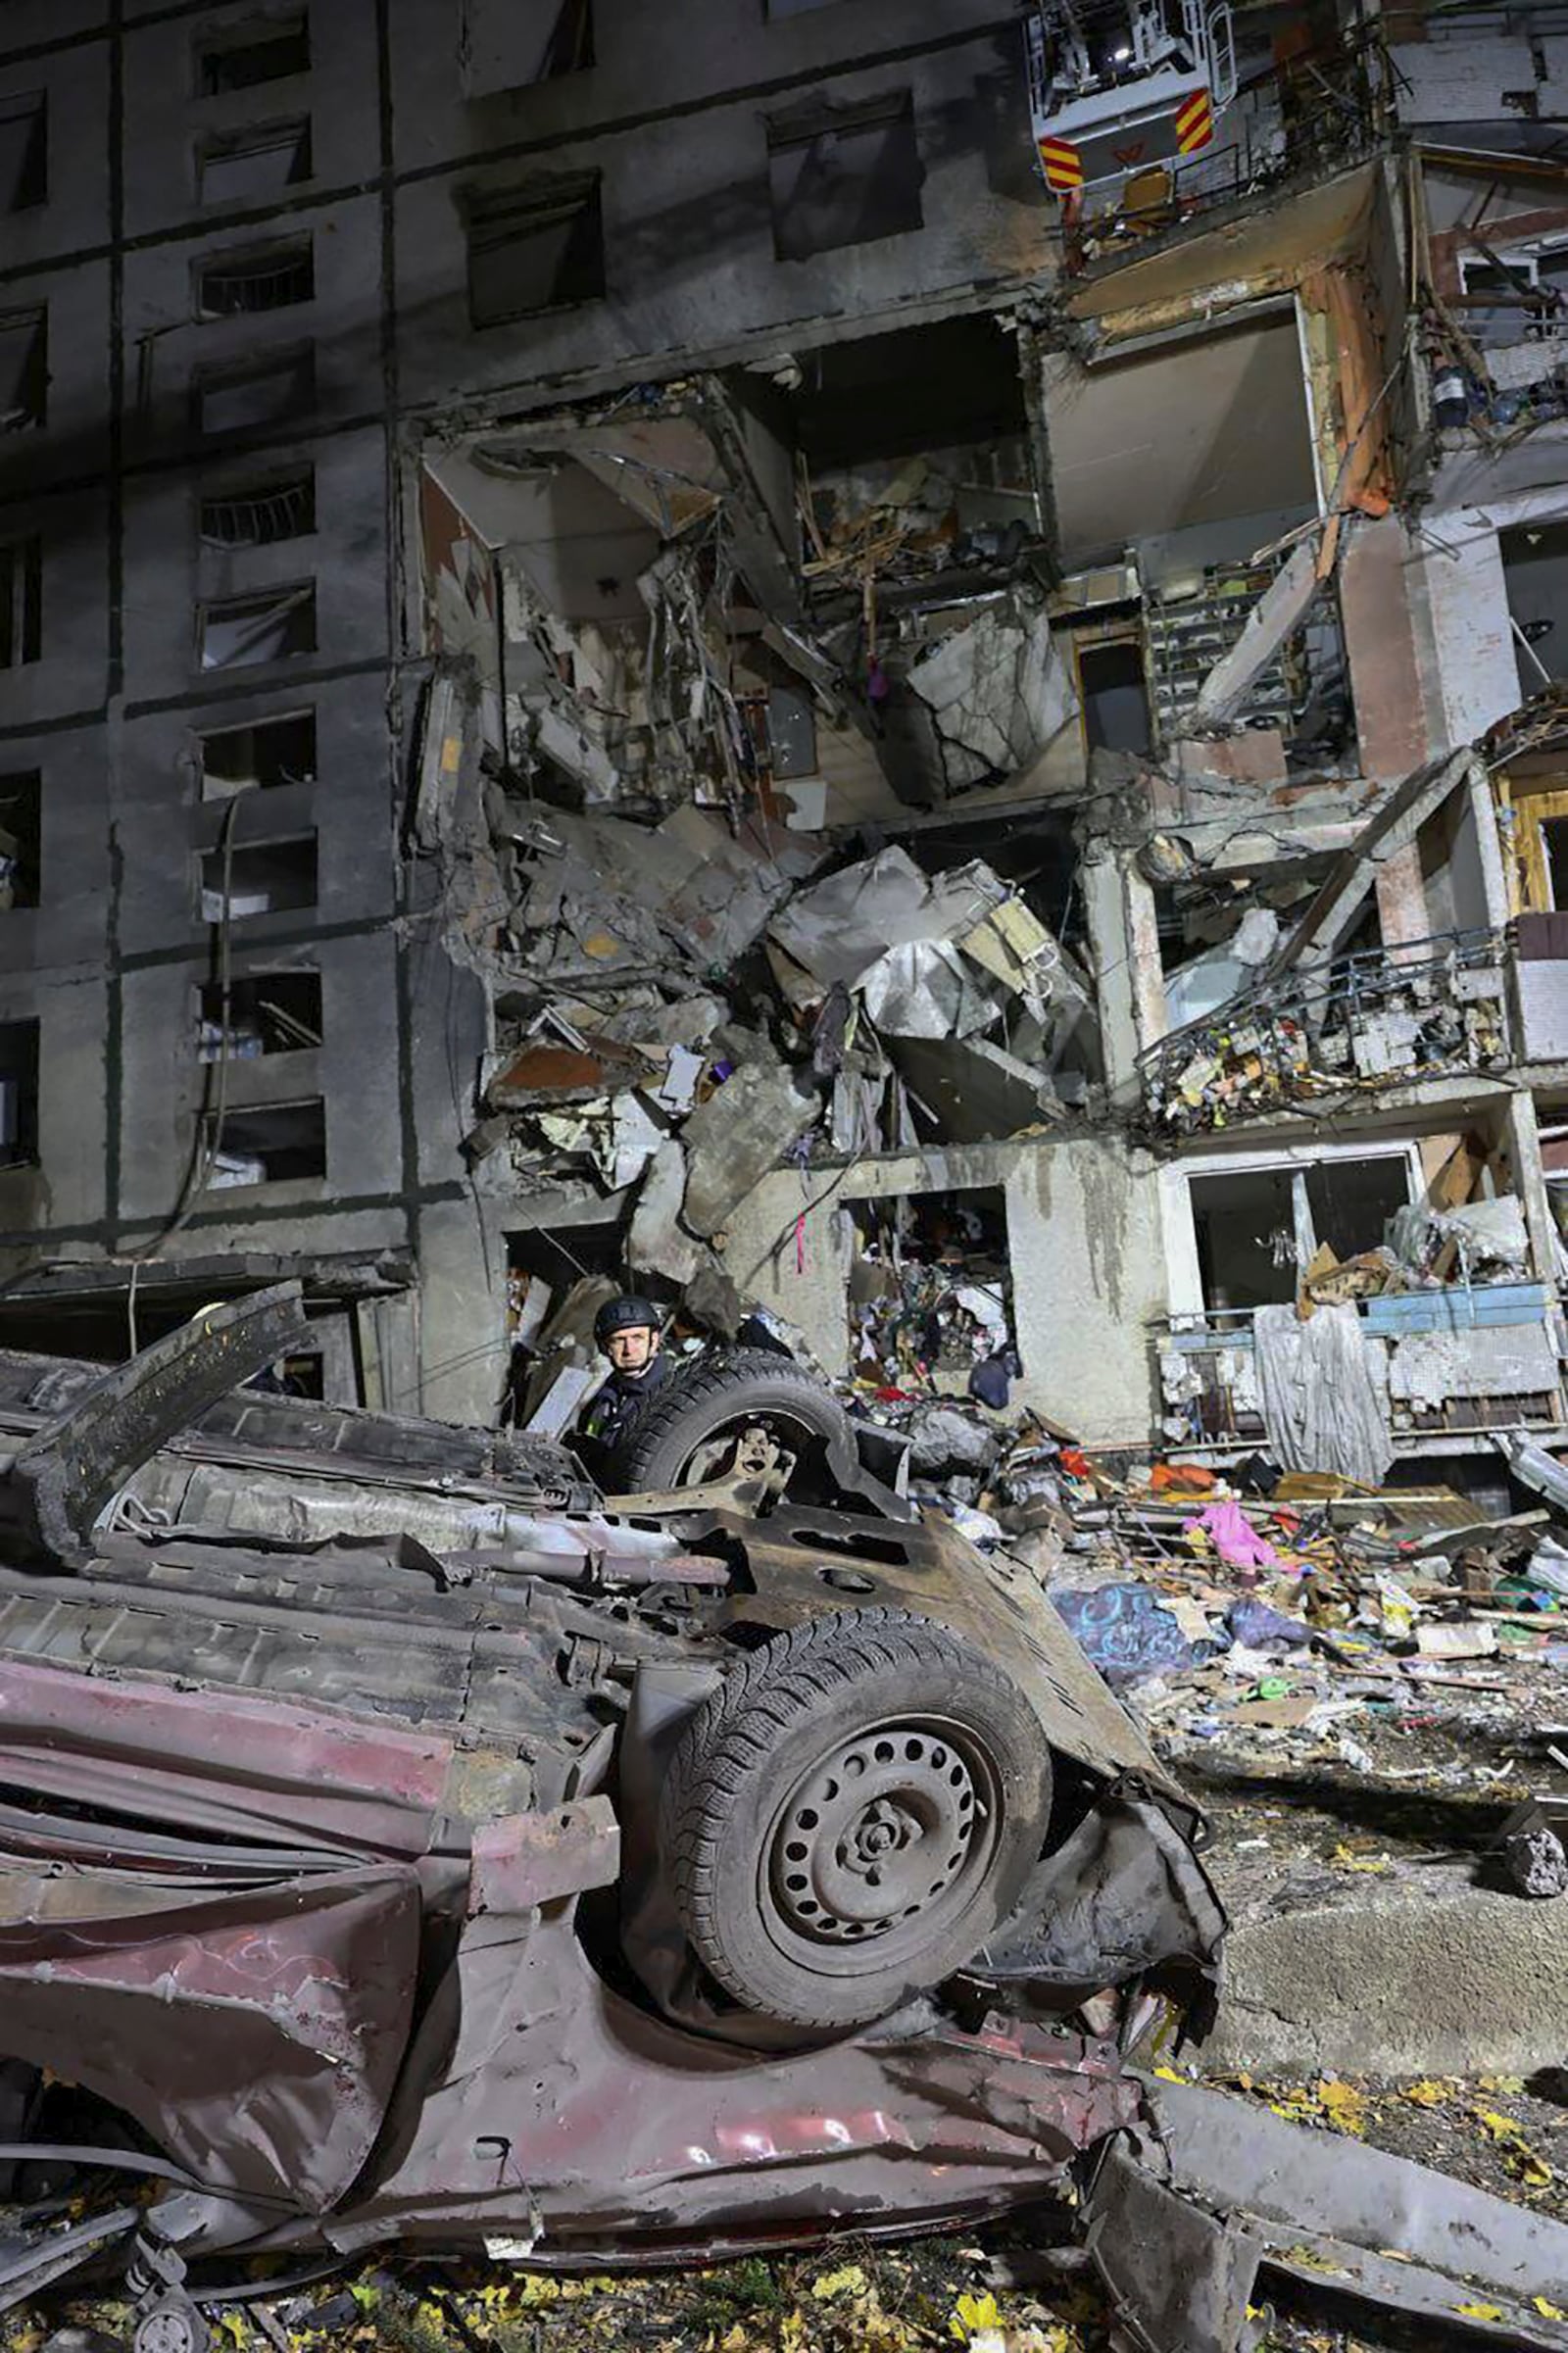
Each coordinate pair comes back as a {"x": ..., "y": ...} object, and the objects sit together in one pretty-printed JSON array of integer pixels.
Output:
[{"x": 617, "y": 1885}]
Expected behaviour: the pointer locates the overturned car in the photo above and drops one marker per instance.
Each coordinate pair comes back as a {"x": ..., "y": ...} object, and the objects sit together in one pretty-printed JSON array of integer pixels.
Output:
[{"x": 398, "y": 1846}]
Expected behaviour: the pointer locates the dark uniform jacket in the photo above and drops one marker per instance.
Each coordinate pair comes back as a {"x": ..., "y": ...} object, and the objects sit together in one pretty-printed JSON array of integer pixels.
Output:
[{"x": 616, "y": 1407}]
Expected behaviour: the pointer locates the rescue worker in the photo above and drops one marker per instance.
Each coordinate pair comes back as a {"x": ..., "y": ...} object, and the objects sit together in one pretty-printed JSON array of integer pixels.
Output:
[{"x": 627, "y": 1330}]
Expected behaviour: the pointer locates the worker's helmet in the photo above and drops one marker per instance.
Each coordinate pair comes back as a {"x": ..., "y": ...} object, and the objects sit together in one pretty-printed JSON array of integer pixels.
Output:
[{"x": 626, "y": 1314}]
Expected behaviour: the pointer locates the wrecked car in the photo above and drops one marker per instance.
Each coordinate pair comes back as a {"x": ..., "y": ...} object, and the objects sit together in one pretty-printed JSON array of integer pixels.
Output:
[{"x": 647, "y": 1885}]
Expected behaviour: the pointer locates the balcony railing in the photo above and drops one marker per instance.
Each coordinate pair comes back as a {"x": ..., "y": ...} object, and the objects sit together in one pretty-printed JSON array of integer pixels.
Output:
[{"x": 1366, "y": 1022}]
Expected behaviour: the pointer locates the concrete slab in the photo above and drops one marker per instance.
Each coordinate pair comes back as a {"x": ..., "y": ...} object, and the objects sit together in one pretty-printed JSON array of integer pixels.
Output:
[{"x": 1439, "y": 1978}]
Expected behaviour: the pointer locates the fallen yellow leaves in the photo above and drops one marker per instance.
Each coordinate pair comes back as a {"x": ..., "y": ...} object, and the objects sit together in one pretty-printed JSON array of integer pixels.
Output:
[
  {"x": 974, "y": 2315},
  {"x": 1521, "y": 2159},
  {"x": 848, "y": 2279},
  {"x": 1428, "y": 2092}
]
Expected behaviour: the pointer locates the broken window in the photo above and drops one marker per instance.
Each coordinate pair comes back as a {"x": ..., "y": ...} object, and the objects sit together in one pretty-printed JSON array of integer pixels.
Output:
[
  {"x": 533, "y": 249},
  {"x": 23, "y": 368},
  {"x": 254, "y": 515},
  {"x": 1245, "y": 1227},
  {"x": 269, "y": 278},
  {"x": 1534, "y": 567},
  {"x": 264, "y": 753},
  {"x": 843, "y": 177},
  {"x": 263, "y": 878},
  {"x": 254, "y": 166},
  {"x": 271, "y": 625},
  {"x": 20, "y": 602},
  {"x": 270, "y": 1144},
  {"x": 20, "y": 828},
  {"x": 24, "y": 152},
  {"x": 256, "y": 394},
  {"x": 267, "y": 1013},
  {"x": 253, "y": 54},
  {"x": 18, "y": 1093},
  {"x": 1256, "y": 1230}
]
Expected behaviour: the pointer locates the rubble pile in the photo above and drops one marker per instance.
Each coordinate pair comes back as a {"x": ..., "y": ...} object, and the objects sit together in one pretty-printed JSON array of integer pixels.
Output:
[{"x": 1305, "y": 1622}]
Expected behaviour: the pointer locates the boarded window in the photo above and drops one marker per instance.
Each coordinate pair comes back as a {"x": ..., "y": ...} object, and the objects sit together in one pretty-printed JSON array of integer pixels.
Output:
[
  {"x": 23, "y": 368},
  {"x": 843, "y": 178},
  {"x": 20, "y": 602},
  {"x": 256, "y": 514},
  {"x": 18, "y": 1093},
  {"x": 268, "y": 1013},
  {"x": 531, "y": 250},
  {"x": 24, "y": 152},
  {"x": 21, "y": 827},
  {"x": 261, "y": 393},
  {"x": 253, "y": 54},
  {"x": 272, "y": 1144},
  {"x": 253, "y": 166},
  {"x": 265, "y": 878},
  {"x": 268, "y": 753},
  {"x": 268, "y": 277},
  {"x": 237, "y": 632}
]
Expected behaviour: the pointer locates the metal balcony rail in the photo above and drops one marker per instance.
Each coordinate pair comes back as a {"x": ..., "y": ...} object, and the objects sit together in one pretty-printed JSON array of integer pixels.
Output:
[{"x": 1372, "y": 1020}]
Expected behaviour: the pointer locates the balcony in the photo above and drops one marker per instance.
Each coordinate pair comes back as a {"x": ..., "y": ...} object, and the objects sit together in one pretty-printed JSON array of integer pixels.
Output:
[
  {"x": 1500, "y": 1369},
  {"x": 1364, "y": 1023}
]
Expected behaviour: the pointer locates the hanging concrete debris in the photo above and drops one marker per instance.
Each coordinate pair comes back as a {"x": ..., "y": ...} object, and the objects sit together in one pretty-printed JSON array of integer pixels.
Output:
[{"x": 998, "y": 691}]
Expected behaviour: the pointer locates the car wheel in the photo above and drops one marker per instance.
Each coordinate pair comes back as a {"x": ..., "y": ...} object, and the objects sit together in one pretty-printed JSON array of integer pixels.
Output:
[
  {"x": 685, "y": 1434},
  {"x": 848, "y": 1816}
]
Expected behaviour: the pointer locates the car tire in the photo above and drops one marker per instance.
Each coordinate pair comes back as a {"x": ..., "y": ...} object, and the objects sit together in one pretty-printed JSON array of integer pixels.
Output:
[
  {"x": 850, "y": 1815},
  {"x": 698, "y": 1402}
]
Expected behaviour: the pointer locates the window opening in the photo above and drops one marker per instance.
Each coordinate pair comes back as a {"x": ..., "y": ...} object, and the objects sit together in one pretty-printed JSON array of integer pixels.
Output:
[
  {"x": 1115, "y": 697},
  {"x": 20, "y": 833},
  {"x": 1351, "y": 1201},
  {"x": 253, "y": 165},
  {"x": 571, "y": 48},
  {"x": 272, "y": 1144},
  {"x": 256, "y": 514},
  {"x": 1243, "y": 1222},
  {"x": 930, "y": 1295},
  {"x": 23, "y": 369},
  {"x": 270, "y": 278},
  {"x": 24, "y": 152},
  {"x": 238, "y": 632},
  {"x": 268, "y": 1013},
  {"x": 265, "y": 878},
  {"x": 256, "y": 394},
  {"x": 19, "y": 1093},
  {"x": 843, "y": 178},
  {"x": 266, "y": 754},
  {"x": 533, "y": 250},
  {"x": 20, "y": 603},
  {"x": 263, "y": 53}
]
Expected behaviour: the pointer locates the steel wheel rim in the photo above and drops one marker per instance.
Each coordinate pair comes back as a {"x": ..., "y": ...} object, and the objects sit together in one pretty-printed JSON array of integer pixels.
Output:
[{"x": 880, "y": 1845}]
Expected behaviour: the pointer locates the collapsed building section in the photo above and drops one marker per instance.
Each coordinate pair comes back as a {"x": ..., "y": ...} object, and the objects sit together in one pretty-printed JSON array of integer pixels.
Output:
[{"x": 938, "y": 823}]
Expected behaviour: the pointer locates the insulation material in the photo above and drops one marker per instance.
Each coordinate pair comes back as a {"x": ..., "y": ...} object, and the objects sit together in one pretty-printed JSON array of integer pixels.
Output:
[{"x": 1320, "y": 1400}]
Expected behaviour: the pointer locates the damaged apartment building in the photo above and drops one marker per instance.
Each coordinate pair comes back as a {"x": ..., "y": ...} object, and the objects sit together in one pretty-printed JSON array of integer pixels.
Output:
[{"x": 899, "y": 664}]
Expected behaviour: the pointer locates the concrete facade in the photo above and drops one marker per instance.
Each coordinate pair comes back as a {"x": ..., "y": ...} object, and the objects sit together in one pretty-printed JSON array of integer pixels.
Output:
[{"x": 154, "y": 406}]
